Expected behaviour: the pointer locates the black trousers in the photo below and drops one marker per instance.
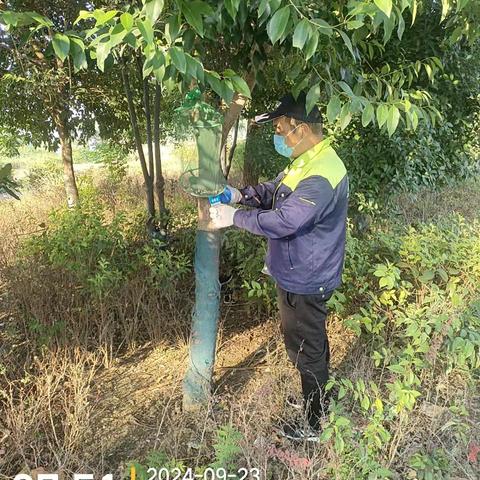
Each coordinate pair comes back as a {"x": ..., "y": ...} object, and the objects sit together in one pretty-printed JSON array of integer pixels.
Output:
[{"x": 303, "y": 325}]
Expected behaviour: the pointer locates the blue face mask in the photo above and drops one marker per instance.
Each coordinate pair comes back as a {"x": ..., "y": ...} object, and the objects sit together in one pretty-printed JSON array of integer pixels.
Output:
[{"x": 281, "y": 145}]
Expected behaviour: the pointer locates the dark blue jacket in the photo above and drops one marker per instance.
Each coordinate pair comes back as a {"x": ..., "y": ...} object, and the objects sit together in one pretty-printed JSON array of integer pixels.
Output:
[{"x": 303, "y": 213}]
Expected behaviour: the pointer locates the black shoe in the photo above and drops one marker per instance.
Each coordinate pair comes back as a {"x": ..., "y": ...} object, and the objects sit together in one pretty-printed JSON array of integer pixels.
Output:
[{"x": 300, "y": 431}]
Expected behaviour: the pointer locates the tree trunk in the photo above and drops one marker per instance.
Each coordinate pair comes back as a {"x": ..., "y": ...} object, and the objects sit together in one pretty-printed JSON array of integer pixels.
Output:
[
  {"x": 235, "y": 108},
  {"x": 67, "y": 159},
  {"x": 228, "y": 164},
  {"x": 197, "y": 381},
  {"x": 250, "y": 171},
  {"x": 159, "y": 180},
  {"x": 198, "y": 378},
  {"x": 148, "y": 126},
  {"x": 138, "y": 142}
]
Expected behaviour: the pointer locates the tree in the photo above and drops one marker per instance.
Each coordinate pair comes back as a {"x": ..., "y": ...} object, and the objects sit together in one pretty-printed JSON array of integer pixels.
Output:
[{"x": 38, "y": 80}]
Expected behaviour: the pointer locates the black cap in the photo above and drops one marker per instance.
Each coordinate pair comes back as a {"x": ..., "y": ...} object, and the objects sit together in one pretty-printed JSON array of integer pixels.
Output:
[{"x": 290, "y": 107}]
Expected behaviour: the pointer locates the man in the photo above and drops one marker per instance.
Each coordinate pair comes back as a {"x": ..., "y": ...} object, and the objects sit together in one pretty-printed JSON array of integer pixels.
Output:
[{"x": 303, "y": 214}]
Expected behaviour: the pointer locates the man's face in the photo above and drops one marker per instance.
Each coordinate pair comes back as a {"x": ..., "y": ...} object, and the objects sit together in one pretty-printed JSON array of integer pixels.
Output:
[{"x": 293, "y": 135}]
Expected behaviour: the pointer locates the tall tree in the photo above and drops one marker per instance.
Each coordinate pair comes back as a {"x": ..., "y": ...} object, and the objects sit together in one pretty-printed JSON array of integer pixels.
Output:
[{"x": 38, "y": 79}]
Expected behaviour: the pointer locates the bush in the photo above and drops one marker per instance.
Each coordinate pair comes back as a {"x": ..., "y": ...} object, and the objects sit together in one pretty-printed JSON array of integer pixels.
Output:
[
  {"x": 379, "y": 166},
  {"x": 243, "y": 255},
  {"x": 92, "y": 276},
  {"x": 49, "y": 172}
]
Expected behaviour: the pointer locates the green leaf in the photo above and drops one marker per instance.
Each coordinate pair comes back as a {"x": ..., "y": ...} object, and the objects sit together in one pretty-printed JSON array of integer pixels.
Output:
[
  {"x": 241, "y": 86},
  {"x": 146, "y": 30},
  {"x": 443, "y": 274},
  {"x": 396, "y": 368},
  {"x": 158, "y": 64},
  {"x": 300, "y": 84},
  {"x": 278, "y": 23},
  {"x": 333, "y": 108},
  {"x": 312, "y": 97},
  {"x": 345, "y": 116},
  {"x": 77, "y": 50},
  {"x": 229, "y": 73},
  {"x": 117, "y": 35},
  {"x": 385, "y": 6},
  {"x": 214, "y": 80},
  {"x": 386, "y": 282},
  {"x": 428, "y": 69},
  {"x": 365, "y": 402},
  {"x": 354, "y": 24},
  {"x": 131, "y": 40},
  {"x": 461, "y": 4},
  {"x": 392, "y": 120},
  {"x": 368, "y": 114},
  {"x": 232, "y": 7},
  {"x": 102, "y": 52},
  {"x": 346, "y": 88},
  {"x": 438, "y": 62},
  {"x": 382, "y": 114},
  {"x": 414, "y": 120},
  {"x": 445, "y": 9},
  {"x": 147, "y": 68},
  {"x": 427, "y": 276},
  {"x": 102, "y": 17},
  {"x": 414, "y": 11},
  {"x": 199, "y": 71},
  {"x": 348, "y": 43},
  {"x": 83, "y": 14},
  {"x": 40, "y": 19},
  {"x": 311, "y": 46},
  {"x": 401, "y": 26},
  {"x": 323, "y": 26},
  {"x": 301, "y": 34},
  {"x": 326, "y": 434},
  {"x": 220, "y": 88},
  {"x": 61, "y": 45},
  {"x": 178, "y": 59},
  {"x": 456, "y": 34},
  {"x": 172, "y": 28},
  {"x": 342, "y": 422},
  {"x": 262, "y": 7},
  {"x": 339, "y": 444},
  {"x": 126, "y": 20},
  {"x": 153, "y": 10},
  {"x": 193, "y": 15}
]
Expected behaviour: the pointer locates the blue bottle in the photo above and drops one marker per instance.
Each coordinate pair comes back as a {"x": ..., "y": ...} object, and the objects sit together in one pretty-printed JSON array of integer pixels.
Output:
[{"x": 223, "y": 197}]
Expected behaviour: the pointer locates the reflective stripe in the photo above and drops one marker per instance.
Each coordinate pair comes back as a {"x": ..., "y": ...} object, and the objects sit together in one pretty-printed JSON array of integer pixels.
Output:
[{"x": 307, "y": 201}]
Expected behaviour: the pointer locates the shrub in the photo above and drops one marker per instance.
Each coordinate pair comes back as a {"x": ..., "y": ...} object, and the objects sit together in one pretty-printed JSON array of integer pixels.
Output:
[{"x": 49, "y": 172}]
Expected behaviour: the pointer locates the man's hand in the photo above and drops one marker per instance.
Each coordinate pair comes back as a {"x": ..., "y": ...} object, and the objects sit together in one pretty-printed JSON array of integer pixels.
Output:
[
  {"x": 222, "y": 215},
  {"x": 230, "y": 195}
]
